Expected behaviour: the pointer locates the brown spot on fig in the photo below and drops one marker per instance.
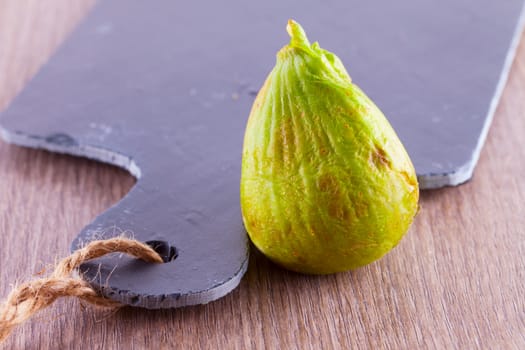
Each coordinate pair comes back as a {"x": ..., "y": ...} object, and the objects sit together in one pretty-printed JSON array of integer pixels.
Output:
[
  {"x": 252, "y": 225},
  {"x": 285, "y": 140},
  {"x": 338, "y": 210},
  {"x": 328, "y": 183},
  {"x": 360, "y": 208},
  {"x": 301, "y": 259},
  {"x": 410, "y": 180},
  {"x": 379, "y": 157}
]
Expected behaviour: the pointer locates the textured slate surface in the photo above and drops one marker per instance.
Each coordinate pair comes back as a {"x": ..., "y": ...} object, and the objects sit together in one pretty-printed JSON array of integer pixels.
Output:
[{"x": 164, "y": 89}]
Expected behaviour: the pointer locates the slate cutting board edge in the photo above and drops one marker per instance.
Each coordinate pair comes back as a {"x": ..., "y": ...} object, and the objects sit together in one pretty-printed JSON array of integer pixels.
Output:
[
  {"x": 127, "y": 163},
  {"x": 86, "y": 151},
  {"x": 168, "y": 301},
  {"x": 465, "y": 173}
]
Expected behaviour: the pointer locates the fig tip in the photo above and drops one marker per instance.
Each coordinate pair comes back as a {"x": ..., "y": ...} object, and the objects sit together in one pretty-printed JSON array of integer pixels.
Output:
[{"x": 297, "y": 34}]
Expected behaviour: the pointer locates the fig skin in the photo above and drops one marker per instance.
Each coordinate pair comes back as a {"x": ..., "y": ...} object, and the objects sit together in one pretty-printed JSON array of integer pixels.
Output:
[{"x": 326, "y": 185}]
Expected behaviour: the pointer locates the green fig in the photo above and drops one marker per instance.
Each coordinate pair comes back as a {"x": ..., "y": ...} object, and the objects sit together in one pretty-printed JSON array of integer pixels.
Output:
[{"x": 326, "y": 184}]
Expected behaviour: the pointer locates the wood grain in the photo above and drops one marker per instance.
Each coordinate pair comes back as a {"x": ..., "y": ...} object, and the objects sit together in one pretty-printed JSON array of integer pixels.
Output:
[{"x": 456, "y": 281}]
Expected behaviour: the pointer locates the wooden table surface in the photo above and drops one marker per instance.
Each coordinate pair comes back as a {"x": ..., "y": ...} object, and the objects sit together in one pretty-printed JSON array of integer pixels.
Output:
[{"x": 455, "y": 281}]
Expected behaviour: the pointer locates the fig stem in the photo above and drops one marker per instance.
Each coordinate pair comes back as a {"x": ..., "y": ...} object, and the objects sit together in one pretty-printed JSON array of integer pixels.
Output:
[{"x": 297, "y": 35}]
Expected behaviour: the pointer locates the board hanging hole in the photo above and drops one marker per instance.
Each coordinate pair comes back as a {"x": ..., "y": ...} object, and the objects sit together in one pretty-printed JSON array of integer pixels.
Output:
[{"x": 167, "y": 252}]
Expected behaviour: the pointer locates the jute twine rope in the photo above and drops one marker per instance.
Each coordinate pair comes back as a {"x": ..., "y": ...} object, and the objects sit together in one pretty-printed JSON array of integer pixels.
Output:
[{"x": 30, "y": 297}]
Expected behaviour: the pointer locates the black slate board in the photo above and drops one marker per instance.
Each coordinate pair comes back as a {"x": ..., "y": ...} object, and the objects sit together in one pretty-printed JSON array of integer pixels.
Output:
[{"x": 163, "y": 88}]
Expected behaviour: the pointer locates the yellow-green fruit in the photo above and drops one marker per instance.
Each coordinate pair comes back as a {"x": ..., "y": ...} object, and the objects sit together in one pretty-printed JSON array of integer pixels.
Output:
[{"x": 326, "y": 185}]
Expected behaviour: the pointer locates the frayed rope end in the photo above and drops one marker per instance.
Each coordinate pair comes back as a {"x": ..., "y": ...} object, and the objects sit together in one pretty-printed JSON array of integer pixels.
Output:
[{"x": 30, "y": 297}]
